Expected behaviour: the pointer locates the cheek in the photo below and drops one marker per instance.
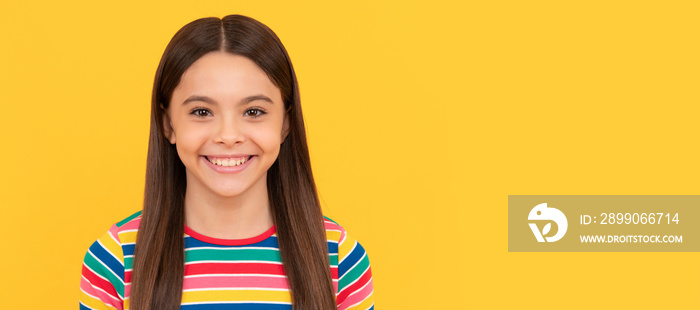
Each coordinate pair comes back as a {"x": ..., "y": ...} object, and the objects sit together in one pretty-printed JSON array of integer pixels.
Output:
[
  {"x": 190, "y": 141},
  {"x": 268, "y": 139}
]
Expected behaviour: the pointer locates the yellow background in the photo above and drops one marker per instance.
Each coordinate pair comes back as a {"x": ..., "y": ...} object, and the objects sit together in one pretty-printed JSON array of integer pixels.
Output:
[{"x": 422, "y": 118}]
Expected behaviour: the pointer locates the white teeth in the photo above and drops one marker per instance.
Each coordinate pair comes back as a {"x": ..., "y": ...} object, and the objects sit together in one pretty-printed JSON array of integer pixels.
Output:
[{"x": 228, "y": 162}]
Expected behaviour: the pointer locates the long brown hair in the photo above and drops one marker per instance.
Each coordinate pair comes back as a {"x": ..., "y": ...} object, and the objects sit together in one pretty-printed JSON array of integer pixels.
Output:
[{"x": 158, "y": 269}]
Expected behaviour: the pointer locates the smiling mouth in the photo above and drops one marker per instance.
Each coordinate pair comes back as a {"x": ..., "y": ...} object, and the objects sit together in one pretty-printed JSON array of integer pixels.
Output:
[{"x": 228, "y": 162}]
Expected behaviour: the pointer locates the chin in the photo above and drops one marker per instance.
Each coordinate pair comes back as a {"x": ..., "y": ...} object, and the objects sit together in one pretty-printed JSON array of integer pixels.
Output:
[{"x": 229, "y": 192}]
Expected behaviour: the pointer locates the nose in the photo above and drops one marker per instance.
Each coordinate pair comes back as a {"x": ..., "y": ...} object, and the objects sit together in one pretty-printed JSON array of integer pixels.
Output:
[{"x": 229, "y": 132}]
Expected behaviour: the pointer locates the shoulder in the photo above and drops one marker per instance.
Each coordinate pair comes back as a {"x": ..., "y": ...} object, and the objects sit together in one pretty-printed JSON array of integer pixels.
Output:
[
  {"x": 130, "y": 220},
  {"x": 334, "y": 232},
  {"x": 123, "y": 232},
  {"x": 338, "y": 239},
  {"x": 109, "y": 249},
  {"x": 126, "y": 229},
  {"x": 354, "y": 274},
  {"x": 104, "y": 278},
  {"x": 348, "y": 249}
]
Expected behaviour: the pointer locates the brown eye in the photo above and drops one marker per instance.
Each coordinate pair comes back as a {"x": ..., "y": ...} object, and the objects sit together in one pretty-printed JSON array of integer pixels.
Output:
[
  {"x": 200, "y": 112},
  {"x": 254, "y": 113}
]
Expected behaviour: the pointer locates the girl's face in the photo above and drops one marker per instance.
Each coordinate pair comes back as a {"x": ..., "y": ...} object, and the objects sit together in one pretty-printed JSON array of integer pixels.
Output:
[{"x": 227, "y": 121}]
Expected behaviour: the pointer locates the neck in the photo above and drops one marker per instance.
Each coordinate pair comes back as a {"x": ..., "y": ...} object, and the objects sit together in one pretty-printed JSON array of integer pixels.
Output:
[{"x": 238, "y": 217}]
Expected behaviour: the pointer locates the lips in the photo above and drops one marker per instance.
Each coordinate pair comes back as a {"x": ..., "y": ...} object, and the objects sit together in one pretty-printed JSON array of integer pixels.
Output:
[{"x": 228, "y": 161}]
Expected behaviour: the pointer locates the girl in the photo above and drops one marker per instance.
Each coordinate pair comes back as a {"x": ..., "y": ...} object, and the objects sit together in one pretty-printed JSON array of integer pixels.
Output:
[{"x": 231, "y": 219}]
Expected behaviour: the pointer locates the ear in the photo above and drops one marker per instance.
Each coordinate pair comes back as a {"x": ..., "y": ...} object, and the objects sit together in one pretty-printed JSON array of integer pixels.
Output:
[
  {"x": 285, "y": 127},
  {"x": 168, "y": 126}
]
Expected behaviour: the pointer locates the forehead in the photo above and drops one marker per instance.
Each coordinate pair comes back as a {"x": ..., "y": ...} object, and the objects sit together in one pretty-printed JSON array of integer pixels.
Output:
[{"x": 225, "y": 77}]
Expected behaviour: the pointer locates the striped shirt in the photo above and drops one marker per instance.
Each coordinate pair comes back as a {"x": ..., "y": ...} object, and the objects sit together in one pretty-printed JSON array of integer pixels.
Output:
[{"x": 223, "y": 274}]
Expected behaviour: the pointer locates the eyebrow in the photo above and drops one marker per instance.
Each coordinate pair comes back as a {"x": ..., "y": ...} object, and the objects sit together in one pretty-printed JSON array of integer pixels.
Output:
[{"x": 212, "y": 101}]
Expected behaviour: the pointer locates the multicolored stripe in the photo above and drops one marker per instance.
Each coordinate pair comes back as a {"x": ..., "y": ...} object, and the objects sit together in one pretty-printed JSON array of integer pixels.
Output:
[{"x": 223, "y": 274}]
